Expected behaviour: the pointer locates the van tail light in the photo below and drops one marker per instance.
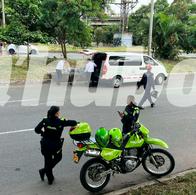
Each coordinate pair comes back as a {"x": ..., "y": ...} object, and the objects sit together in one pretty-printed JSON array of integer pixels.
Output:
[
  {"x": 105, "y": 69},
  {"x": 80, "y": 145}
]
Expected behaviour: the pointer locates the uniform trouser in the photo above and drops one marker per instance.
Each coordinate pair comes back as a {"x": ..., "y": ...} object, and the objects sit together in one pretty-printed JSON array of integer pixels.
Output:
[
  {"x": 50, "y": 161},
  {"x": 147, "y": 96},
  {"x": 59, "y": 76}
]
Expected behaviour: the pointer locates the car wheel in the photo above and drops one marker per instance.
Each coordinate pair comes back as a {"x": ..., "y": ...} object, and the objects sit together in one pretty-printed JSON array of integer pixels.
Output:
[
  {"x": 11, "y": 51},
  {"x": 33, "y": 52},
  {"x": 160, "y": 79},
  {"x": 117, "y": 81}
]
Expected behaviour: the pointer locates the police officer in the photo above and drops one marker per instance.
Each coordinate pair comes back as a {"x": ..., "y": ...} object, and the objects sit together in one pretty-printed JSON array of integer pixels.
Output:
[
  {"x": 130, "y": 116},
  {"x": 51, "y": 129}
]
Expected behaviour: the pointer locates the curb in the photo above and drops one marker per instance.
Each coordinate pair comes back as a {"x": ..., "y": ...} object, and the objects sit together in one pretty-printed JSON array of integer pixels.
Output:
[{"x": 149, "y": 183}]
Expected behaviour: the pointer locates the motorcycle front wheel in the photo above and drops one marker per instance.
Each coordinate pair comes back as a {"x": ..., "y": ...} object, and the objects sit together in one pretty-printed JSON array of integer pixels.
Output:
[
  {"x": 91, "y": 176},
  {"x": 158, "y": 162}
]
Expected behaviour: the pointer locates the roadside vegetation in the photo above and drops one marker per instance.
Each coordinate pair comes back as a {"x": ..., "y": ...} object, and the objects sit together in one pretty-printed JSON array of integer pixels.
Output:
[
  {"x": 68, "y": 24},
  {"x": 179, "y": 186},
  {"x": 64, "y": 26}
]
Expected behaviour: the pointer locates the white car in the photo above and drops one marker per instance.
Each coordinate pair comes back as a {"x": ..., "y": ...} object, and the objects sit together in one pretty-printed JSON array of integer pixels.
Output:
[
  {"x": 21, "y": 49},
  {"x": 125, "y": 67},
  {"x": 88, "y": 52}
]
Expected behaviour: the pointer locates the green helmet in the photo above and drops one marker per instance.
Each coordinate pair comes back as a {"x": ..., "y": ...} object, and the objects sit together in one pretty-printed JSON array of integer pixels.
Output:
[
  {"x": 102, "y": 137},
  {"x": 116, "y": 137}
]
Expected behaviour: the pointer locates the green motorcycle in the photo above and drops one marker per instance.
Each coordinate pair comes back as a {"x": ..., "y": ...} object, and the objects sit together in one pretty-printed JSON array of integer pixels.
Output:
[{"x": 112, "y": 153}]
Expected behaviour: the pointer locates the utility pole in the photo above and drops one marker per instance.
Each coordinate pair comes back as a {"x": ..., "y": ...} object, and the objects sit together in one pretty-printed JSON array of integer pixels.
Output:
[
  {"x": 151, "y": 29},
  {"x": 3, "y": 13},
  {"x": 125, "y": 7}
]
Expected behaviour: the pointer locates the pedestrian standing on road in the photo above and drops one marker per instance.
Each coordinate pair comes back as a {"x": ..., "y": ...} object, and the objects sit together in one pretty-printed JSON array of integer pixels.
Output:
[
  {"x": 51, "y": 129},
  {"x": 59, "y": 71},
  {"x": 89, "y": 70},
  {"x": 98, "y": 59},
  {"x": 1, "y": 48},
  {"x": 148, "y": 83}
]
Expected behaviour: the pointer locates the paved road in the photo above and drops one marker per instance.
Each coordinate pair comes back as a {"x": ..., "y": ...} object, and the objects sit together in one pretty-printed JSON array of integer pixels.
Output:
[{"x": 20, "y": 151}]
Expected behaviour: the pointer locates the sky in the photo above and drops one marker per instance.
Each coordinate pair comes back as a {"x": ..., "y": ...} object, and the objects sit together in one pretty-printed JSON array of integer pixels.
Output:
[{"x": 140, "y": 2}]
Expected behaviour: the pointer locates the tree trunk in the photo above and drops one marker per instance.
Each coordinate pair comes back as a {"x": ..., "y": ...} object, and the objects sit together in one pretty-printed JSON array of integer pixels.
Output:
[{"x": 64, "y": 49}]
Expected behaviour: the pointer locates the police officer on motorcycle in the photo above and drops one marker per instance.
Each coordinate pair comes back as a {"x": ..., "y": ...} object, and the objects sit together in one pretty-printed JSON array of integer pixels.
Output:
[{"x": 51, "y": 129}]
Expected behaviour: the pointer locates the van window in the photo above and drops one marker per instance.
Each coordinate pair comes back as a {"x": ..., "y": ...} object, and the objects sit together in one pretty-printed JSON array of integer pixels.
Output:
[
  {"x": 116, "y": 60},
  {"x": 148, "y": 60},
  {"x": 125, "y": 61}
]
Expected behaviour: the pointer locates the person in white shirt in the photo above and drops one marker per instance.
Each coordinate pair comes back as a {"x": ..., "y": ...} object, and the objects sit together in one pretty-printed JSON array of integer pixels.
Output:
[
  {"x": 59, "y": 71},
  {"x": 90, "y": 66},
  {"x": 89, "y": 70}
]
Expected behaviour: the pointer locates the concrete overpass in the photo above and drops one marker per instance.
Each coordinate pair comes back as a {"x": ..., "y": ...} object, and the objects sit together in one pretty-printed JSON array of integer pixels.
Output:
[{"x": 114, "y": 20}]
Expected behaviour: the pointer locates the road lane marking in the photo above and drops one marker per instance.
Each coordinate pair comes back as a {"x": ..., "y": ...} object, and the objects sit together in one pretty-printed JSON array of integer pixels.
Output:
[
  {"x": 27, "y": 100},
  {"x": 32, "y": 100},
  {"x": 17, "y": 131}
]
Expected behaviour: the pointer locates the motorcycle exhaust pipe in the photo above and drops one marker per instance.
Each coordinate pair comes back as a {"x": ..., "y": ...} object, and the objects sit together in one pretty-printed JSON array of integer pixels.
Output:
[{"x": 92, "y": 153}]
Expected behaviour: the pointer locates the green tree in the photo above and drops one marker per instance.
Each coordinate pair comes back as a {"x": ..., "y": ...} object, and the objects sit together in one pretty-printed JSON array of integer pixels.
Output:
[
  {"x": 65, "y": 20},
  {"x": 109, "y": 32},
  {"x": 168, "y": 32},
  {"x": 174, "y": 27},
  {"x": 25, "y": 11},
  {"x": 180, "y": 8},
  {"x": 22, "y": 18},
  {"x": 98, "y": 35},
  {"x": 139, "y": 21},
  {"x": 136, "y": 21},
  {"x": 188, "y": 43}
]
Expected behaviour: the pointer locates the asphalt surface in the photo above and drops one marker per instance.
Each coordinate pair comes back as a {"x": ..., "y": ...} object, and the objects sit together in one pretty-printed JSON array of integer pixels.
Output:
[{"x": 20, "y": 149}]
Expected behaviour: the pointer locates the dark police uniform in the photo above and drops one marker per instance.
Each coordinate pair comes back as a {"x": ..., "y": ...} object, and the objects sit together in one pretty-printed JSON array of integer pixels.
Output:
[
  {"x": 131, "y": 115},
  {"x": 51, "y": 142}
]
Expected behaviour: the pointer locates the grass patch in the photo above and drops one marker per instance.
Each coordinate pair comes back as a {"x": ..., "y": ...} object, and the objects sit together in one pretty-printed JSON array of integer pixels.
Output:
[
  {"x": 18, "y": 73},
  {"x": 120, "y": 49},
  {"x": 169, "y": 64},
  {"x": 179, "y": 186},
  {"x": 70, "y": 48},
  {"x": 14, "y": 68},
  {"x": 180, "y": 66}
]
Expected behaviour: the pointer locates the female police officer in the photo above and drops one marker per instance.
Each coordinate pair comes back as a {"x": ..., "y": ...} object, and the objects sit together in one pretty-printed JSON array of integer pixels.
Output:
[{"x": 51, "y": 129}]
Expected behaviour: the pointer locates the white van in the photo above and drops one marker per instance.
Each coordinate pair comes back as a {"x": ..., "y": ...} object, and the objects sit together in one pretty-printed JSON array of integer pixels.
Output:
[{"x": 125, "y": 67}]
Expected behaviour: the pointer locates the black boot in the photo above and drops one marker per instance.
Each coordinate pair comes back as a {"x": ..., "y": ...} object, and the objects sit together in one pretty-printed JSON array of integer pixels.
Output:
[
  {"x": 152, "y": 105},
  {"x": 50, "y": 180},
  {"x": 42, "y": 174}
]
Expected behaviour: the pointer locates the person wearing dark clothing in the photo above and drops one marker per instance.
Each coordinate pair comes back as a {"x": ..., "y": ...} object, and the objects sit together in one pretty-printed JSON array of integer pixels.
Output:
[
  {"x": 130, "y": 116},
  {"x": 148, "y": 83},
  {"x": 1, "y": 48},
  {"x": 98, "y": 59},
  {"x": 51, "y": 129}
]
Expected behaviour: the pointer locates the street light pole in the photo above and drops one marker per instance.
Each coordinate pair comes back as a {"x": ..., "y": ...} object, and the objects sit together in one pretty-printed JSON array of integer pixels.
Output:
[
  {"x": 3, "y": 13},
  {"x": 151, "y": 29}
]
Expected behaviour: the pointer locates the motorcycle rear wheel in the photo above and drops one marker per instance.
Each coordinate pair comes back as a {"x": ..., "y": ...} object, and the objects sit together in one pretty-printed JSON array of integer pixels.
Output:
[
  {"x": 90, "y": 175},
  {"x": 155, "y": 161}
]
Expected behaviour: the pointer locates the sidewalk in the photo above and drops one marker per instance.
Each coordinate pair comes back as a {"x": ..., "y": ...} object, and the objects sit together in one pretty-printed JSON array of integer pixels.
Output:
[{"x": 128, "y": 190}]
